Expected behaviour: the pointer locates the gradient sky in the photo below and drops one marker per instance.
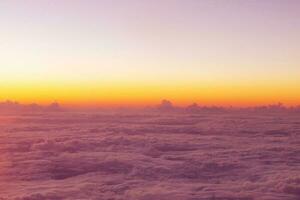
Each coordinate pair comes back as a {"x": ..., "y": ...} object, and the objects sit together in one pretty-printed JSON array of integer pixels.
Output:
[{"x": 137, "y": 52}]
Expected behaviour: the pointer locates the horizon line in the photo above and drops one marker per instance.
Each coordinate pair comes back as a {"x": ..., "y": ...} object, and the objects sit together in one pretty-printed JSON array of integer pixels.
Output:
[{"x": 151, "y": 105}]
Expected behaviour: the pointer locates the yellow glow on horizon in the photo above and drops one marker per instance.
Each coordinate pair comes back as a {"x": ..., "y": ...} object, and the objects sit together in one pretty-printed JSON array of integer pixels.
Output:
[{"x": 143, "y": 94}]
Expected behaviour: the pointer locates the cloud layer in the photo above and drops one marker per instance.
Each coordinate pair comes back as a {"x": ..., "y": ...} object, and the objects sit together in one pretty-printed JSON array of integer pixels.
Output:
[{"x": 148, "y": 156}]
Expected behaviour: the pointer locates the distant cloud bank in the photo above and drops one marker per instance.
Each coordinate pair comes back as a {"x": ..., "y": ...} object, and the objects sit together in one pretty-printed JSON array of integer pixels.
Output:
[
  {"x": 13, "y": 106},
  {"x": 168, "y": 106},
  {"x": 164, "y": 106}
]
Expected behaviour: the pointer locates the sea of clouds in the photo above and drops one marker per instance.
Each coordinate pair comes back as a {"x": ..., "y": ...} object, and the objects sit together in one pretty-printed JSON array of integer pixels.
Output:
[{"x": 150, "y": 156}]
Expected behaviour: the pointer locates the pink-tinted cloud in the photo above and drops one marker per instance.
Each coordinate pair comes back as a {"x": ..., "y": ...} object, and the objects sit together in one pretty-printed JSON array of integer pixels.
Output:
[{"x": 146, "y": 155}]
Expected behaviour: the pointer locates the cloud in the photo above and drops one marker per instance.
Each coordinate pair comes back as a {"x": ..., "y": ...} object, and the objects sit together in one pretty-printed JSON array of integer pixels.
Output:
[
  {"x": 12, "y": 106},
  {"x": 173, "y": 155},
  {"x": 165, "y": 105}
]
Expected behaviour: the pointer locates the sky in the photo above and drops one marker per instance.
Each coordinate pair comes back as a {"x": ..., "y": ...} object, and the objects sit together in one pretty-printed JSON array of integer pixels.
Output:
[{"x": 137, "y": 52}]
